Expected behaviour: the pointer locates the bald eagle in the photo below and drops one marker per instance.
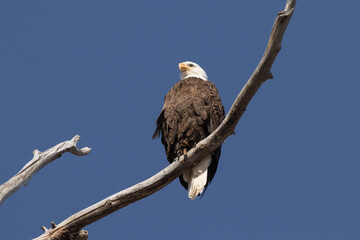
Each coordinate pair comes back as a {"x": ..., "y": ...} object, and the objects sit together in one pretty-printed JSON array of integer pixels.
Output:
[{"x": 192, "y": 111}]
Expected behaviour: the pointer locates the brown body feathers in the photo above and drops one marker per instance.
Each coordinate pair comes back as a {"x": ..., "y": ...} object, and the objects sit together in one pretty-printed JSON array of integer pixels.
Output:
[{"x": 192, "y": 110}]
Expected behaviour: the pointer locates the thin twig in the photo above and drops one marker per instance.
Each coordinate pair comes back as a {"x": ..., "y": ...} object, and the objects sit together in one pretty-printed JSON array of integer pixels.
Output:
[{"x": 40, "y": 160}]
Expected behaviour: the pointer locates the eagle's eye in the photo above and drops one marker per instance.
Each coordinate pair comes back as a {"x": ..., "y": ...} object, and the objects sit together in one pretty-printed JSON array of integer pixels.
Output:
[{"x": 191, "y": 65}]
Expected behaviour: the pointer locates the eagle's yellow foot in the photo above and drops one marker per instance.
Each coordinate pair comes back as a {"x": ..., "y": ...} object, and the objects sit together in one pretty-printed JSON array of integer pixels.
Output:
[
  {"x": 184, "y": 152},
  {"x": 185, "y": 156}
]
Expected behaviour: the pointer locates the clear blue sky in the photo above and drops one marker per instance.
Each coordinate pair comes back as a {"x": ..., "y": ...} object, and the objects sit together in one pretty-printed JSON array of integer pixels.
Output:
[{"x": 101, "y": 69}]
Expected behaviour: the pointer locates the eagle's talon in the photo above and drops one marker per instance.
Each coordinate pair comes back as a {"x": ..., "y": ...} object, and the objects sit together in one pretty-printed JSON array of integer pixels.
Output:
[
  {"x": 185, "y": 155},
  {"x": 184, "y": 152}
]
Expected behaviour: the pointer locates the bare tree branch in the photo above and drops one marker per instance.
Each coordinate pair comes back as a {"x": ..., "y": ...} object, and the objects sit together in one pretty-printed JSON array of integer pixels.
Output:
[
  {"x": 76, "y": 222},
  {"x": 40, "y": 160}
]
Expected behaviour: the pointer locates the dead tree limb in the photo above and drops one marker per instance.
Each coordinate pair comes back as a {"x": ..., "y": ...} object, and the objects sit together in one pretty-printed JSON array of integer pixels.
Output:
[
  {"x": 40, "y": 160},
  {"x": 76, "y": 222}
]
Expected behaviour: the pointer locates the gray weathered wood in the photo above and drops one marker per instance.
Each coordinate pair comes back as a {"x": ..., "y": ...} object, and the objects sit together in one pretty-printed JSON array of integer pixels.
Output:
[
  {"x": 76, "y": 222},
  {"x": 40, "y": 160}
]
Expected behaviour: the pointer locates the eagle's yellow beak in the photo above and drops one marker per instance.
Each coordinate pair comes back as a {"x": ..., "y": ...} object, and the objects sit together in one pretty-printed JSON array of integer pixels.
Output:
[{"x": 183, "y": 67}]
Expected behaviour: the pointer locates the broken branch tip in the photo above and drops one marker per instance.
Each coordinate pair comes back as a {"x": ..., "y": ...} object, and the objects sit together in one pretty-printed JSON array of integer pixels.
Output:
[{"x": 76, "y": 138}]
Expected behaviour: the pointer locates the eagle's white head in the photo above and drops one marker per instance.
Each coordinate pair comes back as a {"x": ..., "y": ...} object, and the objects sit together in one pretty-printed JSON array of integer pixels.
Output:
[{"x": 191, "y": 69}]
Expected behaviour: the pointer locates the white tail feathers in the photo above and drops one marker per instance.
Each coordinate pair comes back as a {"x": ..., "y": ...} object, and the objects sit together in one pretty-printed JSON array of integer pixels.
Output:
[
  {"x": 196, "y": 185},
  {"x": 197, "y": 177}
]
